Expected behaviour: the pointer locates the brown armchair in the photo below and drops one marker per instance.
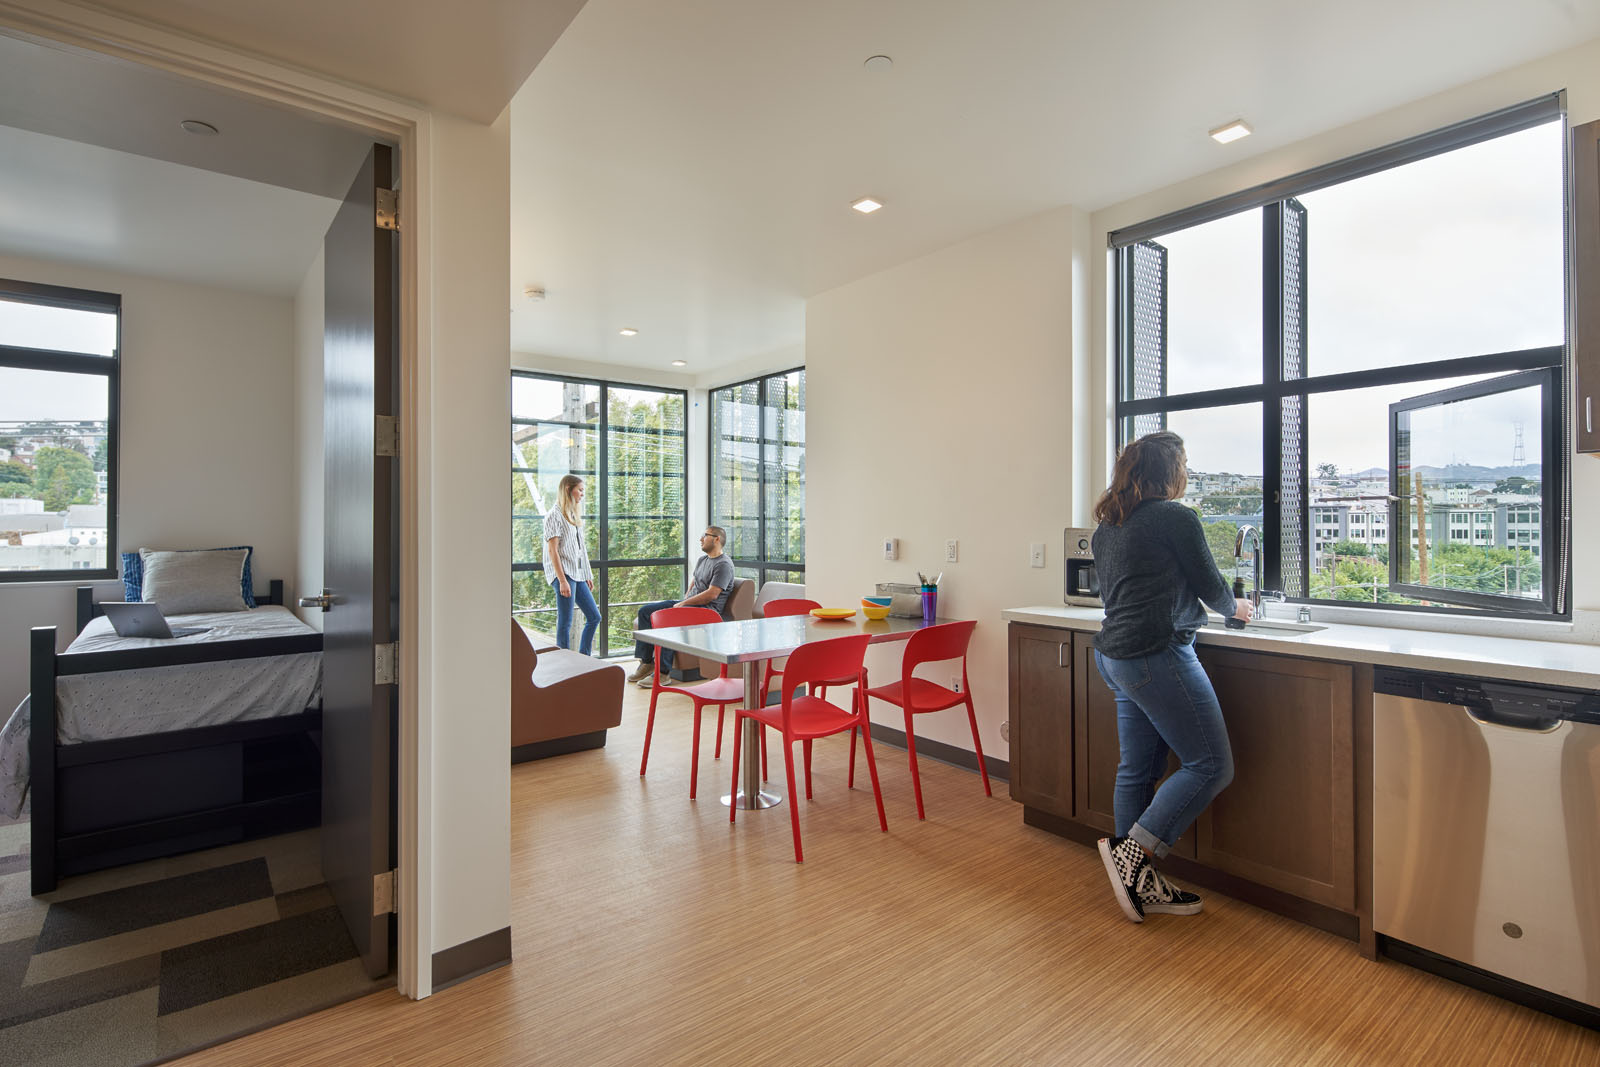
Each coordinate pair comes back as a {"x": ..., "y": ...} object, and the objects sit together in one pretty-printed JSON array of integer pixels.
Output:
[
  {"x": 561, "y": 701},
  {"x": 741, "y": 604}
]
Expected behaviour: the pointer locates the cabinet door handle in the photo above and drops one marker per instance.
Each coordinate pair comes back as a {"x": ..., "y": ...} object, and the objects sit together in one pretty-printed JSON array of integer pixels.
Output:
[
  {"x": 1061, "y": 654},
  {"x": 1588, "y": 414}
]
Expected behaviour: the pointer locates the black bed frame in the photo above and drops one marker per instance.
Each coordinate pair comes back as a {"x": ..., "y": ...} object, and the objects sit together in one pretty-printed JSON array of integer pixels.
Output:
[{"x": 104, "y": 803}]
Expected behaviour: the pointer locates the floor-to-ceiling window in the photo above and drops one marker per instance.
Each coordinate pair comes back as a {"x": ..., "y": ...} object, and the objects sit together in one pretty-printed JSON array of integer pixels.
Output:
[
  {"x": 758, "y": 474},
  {"x": 629, "y": 445}
]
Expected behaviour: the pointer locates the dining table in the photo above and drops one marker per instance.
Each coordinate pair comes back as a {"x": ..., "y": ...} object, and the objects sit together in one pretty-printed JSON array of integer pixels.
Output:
[{"x": 752, "y": 642}]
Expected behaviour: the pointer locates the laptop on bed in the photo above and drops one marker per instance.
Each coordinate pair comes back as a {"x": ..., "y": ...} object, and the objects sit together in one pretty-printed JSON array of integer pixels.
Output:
[{"x": 144, "y": 620}]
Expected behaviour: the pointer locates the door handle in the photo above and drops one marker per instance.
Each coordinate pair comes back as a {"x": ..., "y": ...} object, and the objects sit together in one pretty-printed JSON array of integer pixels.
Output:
[
  {"x": 325, "y": 601},
  {"x": 1588, "y": 414},
  {"x": 1061, "y": 654}
]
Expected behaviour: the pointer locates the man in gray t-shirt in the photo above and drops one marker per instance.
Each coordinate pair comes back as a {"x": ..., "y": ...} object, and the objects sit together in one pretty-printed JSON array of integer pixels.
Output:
[{"x": 713, "y": 578}]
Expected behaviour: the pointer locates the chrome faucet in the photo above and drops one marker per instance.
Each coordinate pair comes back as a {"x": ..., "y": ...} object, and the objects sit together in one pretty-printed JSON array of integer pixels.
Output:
[{"x": 1256, "y": 593}]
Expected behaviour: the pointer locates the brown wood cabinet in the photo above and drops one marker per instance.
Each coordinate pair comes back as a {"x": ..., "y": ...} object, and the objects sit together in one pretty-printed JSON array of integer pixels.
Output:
[
  {"x": 1586, "y": 284},
  {"x": 1041, "y": 717},
  {"x": 1287, "y": 821}
]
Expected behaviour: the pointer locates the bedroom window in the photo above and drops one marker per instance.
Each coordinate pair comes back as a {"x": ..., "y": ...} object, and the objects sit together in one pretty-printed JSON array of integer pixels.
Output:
[
  {"x": 630, "y": 446},
  {"x": 59, "y": 359},
  {"x": 758, "y": 475},
  {"x": 1367, "y": 361}
]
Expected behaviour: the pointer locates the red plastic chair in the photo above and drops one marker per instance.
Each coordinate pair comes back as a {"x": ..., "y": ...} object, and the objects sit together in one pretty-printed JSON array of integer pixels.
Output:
[
  {"x": 777, "y": 609},
  {"x": 806, "y": 718},
  {"x": 916, "y": 696},
  {"x": 720, "y": 690}
]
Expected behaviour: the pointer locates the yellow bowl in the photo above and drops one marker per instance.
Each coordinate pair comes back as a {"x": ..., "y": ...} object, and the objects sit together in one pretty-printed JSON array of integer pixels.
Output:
[{"x": 875, "y": 612}]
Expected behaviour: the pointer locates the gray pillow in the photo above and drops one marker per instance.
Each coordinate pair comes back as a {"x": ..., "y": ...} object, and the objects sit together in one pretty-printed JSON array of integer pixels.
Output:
[{"x": 185, "y": 582}]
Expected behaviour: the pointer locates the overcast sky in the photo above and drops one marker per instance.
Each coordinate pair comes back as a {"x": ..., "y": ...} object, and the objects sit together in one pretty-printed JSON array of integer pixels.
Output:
[
  {"x": 1456, "y": 255},
  {"x": 36, "y": 395}
]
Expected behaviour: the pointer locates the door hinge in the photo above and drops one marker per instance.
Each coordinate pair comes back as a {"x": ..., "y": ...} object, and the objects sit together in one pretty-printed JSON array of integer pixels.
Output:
[
  {"x": 388, "y": 209},
  {"x": 385, "y": 893},
  {"x": 386, "y": 435},
  {"x": 385, "y": 663}
]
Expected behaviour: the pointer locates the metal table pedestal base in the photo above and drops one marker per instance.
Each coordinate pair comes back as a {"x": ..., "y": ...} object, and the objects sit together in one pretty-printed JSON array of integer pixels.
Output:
[{"x": 751, "y": 797}]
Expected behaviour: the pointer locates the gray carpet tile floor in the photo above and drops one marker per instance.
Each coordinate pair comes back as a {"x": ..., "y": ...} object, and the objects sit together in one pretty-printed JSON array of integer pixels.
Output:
[{"x": 142, "y": 963}]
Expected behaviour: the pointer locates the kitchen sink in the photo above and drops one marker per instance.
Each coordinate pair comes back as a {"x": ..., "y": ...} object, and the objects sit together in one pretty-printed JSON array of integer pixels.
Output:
[{"x": 1269, "y": 627}]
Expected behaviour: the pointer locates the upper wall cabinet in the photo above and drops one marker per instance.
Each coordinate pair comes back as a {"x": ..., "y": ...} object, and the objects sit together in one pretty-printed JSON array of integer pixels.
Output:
[{"x": 1586, "y": 283}]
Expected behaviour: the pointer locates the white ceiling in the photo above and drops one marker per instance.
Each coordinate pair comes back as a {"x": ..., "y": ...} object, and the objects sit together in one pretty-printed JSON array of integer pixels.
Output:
[
  {"x": 464, "y": 57},
  {"x": 95, "y": 170},
  {"x": 686, "y": 168},
  {"x": 69, "y": 202}
]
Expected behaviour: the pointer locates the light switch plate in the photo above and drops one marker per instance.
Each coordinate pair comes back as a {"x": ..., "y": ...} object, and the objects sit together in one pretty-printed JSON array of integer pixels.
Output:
[
  {"x": 952, "y": 551},
  {"x": 891, "y": 548},
  {"x": 1036, "y": 554}
]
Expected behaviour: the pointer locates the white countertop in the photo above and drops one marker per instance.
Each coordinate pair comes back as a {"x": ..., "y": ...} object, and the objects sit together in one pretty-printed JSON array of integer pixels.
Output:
[{"x": 1510, "y": 658}]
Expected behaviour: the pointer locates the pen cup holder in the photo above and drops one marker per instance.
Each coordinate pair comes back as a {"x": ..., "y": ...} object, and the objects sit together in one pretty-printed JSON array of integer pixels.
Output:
[{"x": 930, "y": 606}]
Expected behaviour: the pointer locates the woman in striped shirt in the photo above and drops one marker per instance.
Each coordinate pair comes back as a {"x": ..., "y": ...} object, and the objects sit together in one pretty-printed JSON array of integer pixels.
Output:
[{"x": 566, "y": 557}]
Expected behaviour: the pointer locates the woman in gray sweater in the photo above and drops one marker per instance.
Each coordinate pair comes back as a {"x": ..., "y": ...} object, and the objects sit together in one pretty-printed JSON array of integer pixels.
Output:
[{"x": 1155, "y": 570}]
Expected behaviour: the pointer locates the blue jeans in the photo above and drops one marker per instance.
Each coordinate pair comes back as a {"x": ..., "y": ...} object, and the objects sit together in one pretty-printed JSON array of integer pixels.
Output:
[
  {"x": 641, "y": 651},
  {"x": 591, "y": 615},
  {"x": 1165, "y": 702}
]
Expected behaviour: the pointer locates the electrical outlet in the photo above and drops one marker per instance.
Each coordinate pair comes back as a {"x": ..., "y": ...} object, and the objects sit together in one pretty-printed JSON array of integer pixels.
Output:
[
  {"x": 952, "y": 550},
  {"x": 891, "y": 548},
  {"x": 955, "y": 683},
  {"x": 1036, "y": 554}
]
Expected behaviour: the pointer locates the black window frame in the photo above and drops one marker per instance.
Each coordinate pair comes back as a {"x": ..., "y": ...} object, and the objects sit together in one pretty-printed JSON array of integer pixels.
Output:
[
  {"x": 67, "y": 362},
  {"x": 764, "y": 569},
  {"x": 1284, "y": 388},
  {"x": 600, "y": 477}
]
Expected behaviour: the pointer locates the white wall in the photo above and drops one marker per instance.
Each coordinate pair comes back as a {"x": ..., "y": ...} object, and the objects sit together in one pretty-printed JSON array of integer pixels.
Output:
[
  {"x": 939, "y": 400},
  {"x": 308, "y": 322},
  {"x": 1577, "y": 71},
  {"x": 207, "y": 437},
  {"x": 464, "y": 516}
]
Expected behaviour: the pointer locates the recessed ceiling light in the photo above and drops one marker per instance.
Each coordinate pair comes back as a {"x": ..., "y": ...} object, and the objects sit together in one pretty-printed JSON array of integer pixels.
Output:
[
  {"x": 204, "y": 129},
  {"x": 879, "y": 64},
  {"x": 628, "y": 331},
  {"x": 680, "y": 363},
  {"x": 1231, "y": 132},
  {"x": 866, "y": 205}
]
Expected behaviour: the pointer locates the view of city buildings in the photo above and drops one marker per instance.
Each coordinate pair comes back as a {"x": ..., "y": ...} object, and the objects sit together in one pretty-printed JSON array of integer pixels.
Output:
[
  {"x": 54, "y": 500},
  {"x": 1483, "y": 527}
]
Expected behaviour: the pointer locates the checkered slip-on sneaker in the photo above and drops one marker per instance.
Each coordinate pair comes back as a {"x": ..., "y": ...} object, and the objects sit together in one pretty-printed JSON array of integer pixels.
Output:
[
  {"x": 1125, "y": 862},
  {"x": 1157, "y": 896}
]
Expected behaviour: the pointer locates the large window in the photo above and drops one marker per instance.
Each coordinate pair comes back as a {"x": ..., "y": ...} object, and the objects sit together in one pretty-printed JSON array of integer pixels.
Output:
[
  {"x": 629, "y": 446},
  {"x": 758, "y": 475},
  {"x": 1366, "y": 362},
  {"x": 58, "y": 444}
]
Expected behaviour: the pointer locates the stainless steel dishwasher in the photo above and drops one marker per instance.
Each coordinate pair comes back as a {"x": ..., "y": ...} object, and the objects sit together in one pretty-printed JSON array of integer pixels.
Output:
[{"x": 1486, "y": 835}]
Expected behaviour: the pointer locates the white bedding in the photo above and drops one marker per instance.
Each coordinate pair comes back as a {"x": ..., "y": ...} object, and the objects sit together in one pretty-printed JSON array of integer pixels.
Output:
[{"x": 100, "y": 707}]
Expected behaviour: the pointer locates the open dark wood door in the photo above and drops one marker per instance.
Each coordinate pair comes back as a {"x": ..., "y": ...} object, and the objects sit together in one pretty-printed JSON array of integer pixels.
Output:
[{"x": 360, "y": 561}]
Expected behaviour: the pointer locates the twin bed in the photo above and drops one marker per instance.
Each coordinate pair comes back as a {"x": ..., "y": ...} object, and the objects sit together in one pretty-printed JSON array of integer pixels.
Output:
[{"x": 133, "y": 747}]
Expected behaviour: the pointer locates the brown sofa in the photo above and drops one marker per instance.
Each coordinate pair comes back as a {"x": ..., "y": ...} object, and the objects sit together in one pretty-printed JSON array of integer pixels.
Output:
[
  {"x": 741, "y": 604},
  {"x": 561, "y": 701}
]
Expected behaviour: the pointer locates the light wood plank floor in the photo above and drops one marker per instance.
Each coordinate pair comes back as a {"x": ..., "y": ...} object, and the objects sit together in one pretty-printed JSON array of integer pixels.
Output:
[{"x": 646, "y": 930}]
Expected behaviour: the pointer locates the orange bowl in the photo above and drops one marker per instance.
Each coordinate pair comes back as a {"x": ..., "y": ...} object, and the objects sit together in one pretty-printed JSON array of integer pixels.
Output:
[{"x": 833, "y": 613}]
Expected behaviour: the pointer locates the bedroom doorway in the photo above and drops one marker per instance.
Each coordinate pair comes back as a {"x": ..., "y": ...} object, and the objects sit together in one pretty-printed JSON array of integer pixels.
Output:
[{"x": 138, "y": 961}]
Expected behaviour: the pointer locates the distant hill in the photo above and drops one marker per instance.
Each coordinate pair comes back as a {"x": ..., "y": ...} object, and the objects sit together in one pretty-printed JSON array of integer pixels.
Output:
[{"x": 1459, "y": 472}]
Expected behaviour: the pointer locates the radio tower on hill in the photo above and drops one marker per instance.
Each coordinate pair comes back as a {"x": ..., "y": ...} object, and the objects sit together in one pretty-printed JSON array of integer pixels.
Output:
[{"x": 1518, "y": 455}]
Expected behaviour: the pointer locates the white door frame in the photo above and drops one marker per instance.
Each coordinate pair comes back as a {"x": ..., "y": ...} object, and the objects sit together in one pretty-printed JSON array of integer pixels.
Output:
[{"x": 65, "y": 26}]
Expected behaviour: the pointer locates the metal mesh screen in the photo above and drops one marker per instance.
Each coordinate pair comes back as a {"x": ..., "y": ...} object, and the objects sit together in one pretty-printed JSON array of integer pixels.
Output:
[
  {"x": 1147, "y": 364},
  {"x": 1294, "y": 486}
]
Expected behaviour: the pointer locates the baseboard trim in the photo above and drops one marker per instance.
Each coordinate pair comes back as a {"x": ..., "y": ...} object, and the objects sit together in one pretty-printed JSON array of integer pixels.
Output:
[
  {"x": 559, "y": 746},
  {"x": 471, "y": 958},
  {"x": 938, "y": 750}
]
